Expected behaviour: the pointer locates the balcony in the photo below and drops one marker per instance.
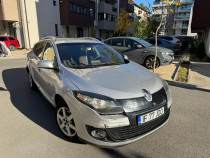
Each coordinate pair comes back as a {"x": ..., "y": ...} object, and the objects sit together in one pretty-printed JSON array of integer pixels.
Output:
[
  {"x": 180, "y": 18},
  {"x": 104, "y": 7},
  {"x": 186, "y": 1},
  {"x": 181, "y": 26},
  {"x": 106, "y": 25},
  {"x": 182, "y": 10}
]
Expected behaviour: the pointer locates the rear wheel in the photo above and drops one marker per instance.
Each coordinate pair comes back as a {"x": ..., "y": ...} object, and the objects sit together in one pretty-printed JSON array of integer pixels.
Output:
[
  {"x": 12, "y": 48},
  {"x": 149, "y": 62},
  {"x": 65, "y": 120}
]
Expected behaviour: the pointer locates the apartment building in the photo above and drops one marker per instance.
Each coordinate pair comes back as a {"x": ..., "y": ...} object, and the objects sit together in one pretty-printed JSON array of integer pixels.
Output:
[
  {"x": 201, "y": 23},
  {"x": 30, "y": 20},
  {"x": 139, "y": 13},
  {"x": 9, "y": 19},
  {"x": 177, "y": 23}
]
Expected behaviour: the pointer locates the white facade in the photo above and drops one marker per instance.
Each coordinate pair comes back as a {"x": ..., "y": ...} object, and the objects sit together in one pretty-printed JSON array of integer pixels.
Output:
[
  {"x": 139, "y": 13},
  {"x": 40, "y": 18},
  {"x": 180, "y": 25}
]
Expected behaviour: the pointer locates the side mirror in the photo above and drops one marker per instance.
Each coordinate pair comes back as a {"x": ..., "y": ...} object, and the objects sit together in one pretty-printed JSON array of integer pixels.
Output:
[
  {"x": 125, "y": 57},
  {"x": 45, "y": 64}
]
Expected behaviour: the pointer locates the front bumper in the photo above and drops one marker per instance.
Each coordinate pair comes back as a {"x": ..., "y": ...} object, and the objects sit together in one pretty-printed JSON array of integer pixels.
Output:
[{"x": 120, "y": 129}]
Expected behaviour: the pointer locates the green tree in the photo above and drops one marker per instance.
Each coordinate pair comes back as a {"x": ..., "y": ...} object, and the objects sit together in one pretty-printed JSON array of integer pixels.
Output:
[
  {"x": 140, "y": 29},
  {"x": 124, "y": 23}
]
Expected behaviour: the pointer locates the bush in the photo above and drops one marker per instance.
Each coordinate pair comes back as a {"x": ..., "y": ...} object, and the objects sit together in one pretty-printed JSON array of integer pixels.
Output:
[{"x": 185, "y": 60}]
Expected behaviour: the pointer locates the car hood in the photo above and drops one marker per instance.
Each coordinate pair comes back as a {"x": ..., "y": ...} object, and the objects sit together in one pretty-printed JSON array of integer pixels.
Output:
[{"x": 118, "y": 82}]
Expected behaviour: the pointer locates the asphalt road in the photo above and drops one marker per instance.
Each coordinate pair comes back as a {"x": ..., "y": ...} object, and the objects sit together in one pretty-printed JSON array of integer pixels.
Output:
[{"x": 28, "y": 126}]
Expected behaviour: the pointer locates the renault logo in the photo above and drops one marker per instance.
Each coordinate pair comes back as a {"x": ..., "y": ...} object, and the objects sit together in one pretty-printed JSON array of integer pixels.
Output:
[{"x": 147, "y": 95}]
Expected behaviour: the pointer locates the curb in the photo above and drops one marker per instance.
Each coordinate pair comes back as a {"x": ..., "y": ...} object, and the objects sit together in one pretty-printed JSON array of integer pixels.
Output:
[
  {"x": 189, "y": 72},
  {"x": 175, "y": 72}
]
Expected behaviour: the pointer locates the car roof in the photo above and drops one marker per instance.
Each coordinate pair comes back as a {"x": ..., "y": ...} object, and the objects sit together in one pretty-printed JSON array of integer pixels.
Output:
[{"x": 72, "y": 40}]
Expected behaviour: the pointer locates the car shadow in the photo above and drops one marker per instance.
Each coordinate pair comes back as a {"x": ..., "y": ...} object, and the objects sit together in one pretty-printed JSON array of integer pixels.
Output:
[{"x": 30, "y": 102}]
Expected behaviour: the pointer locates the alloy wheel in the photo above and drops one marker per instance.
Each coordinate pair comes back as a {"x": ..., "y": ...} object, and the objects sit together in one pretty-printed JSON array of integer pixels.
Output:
[{"x": 66, "y": 122}]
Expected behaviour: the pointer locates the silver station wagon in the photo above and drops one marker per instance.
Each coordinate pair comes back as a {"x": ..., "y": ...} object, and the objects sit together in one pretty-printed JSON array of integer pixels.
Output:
[{"x": 100, "y": 96}]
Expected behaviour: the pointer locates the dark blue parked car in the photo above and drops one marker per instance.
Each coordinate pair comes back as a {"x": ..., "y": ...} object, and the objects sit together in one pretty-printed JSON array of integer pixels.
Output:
[{"x": 164, "y": 43}]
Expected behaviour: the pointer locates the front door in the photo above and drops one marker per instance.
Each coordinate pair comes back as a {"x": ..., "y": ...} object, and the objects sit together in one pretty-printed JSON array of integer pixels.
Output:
[
  {"x": 134, "y": 50},
  {"x": 50, "y": 77}
]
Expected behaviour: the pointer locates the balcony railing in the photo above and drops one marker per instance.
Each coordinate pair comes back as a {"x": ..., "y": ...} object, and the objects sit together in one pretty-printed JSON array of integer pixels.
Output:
[
  {"x": 182, "y": 17},
  {"x": 183, "y": 9},
  {"x": 186, "y": 1},
  {"x": 181, "y": 26}
]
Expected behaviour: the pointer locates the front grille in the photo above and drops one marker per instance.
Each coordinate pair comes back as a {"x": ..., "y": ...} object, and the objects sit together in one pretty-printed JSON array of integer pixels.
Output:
[{"x": 133, "y": 130}]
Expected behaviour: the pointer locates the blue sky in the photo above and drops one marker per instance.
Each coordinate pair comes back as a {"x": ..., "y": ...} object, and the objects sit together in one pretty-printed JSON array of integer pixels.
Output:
[{"x": 144, "y": 2}]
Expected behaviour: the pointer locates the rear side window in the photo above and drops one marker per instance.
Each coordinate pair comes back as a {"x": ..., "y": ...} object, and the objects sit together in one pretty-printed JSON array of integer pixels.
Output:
[
  {"x": 11, "y": 39},
  {"x": 38, "y": 48},
  {"x": 108, "y": 42},
  {"x": 3, "y": 39},
  {"x": 167, "y": 38},
  {"x": 117, "y": 42}
]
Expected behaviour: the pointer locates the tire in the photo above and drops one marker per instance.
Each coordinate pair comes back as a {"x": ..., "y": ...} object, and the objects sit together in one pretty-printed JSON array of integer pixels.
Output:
[
  {"x": 149, "y": 61},
  {"x": 12, "y": 48},
  {"x": 31, "y": 81},
  {"x": 65, "y": 121}
]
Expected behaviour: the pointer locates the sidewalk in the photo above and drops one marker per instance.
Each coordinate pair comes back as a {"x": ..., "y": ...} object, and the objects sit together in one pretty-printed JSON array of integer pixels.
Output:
[
  {"x": 167, "y": 71},
  {"x": 20, "y": 53},
  {"x": 200, "y": 75}
]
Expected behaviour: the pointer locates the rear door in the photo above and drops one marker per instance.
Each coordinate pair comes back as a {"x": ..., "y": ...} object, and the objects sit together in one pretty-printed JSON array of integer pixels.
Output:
[
  {"x": 117, "y": 44},
  {"x": 134, "y": 50},
  {"x": 14, "y": 42}
]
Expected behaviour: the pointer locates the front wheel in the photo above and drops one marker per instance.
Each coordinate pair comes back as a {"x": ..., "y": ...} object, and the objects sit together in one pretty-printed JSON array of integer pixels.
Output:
[
  {"x": 65, "y": 120},
  {"x": 149, "y": 62}
]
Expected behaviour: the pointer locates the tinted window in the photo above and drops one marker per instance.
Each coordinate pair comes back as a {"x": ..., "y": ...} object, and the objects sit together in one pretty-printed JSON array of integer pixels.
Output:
[
  {"x": 49, "y": 54},
  {"x": 12, "y": 39},
  {"x": 117, "y": 41},
  {"x": 145, "y": 43},
  {"x": 152, "y": 41},
  {"x": 3, "y": 39},
  {"x": 108, "y": 42},
  {"x": 81, "y": 55},
  {"x": 131, "y": 43},
  {"x": 167, "y": 38},
  {"x": 38, "y": 48}
]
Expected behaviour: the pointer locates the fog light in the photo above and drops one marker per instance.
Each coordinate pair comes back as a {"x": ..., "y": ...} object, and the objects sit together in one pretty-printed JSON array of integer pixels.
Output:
[{"x": 98, "y": 134}]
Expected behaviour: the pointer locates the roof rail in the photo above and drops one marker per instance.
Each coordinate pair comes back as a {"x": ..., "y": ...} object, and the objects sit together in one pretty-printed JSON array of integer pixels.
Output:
[
  {"x": 91, "y": 38},
  {"x": 49, "y": 37}
]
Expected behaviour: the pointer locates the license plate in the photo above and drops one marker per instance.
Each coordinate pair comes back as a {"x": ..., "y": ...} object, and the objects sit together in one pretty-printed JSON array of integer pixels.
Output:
[{"x": 150, "y": 116}]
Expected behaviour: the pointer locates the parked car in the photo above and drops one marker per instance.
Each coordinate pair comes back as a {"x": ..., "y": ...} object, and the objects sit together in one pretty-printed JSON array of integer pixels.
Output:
[
  {"x": 186, "y": 41},
  {"x": 11, "y": 42},
  {"x": 140, "y": 51},
  {"x": 100, "y": 96},
  {"x": 166, "y": 44},
  {"x": 171, "y": 39}
]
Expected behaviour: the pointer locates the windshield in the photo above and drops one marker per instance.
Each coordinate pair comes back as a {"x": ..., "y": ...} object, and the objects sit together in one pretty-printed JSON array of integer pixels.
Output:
[
  {"x": 145, "y": 43},
  {"x": 84, "y": 55}
]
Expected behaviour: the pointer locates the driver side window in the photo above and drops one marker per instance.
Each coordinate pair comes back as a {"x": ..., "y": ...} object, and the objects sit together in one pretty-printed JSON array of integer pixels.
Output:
[
  {"x": 49, "y": 54},
  {"x": 132, "y": 44}
]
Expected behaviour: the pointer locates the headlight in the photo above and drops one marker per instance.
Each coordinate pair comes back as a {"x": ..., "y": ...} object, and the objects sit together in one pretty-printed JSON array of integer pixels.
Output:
[
  {"x": 168, "y": 92},
  {"x": 165, "y": 53},
  {"x": 102, "y": 104}
]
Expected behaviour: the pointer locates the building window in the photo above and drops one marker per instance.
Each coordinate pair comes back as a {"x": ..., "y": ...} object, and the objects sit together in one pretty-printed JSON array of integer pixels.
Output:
[
  {"x": 56, "y": 29},
  {"x": 54, "y": 2}
]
